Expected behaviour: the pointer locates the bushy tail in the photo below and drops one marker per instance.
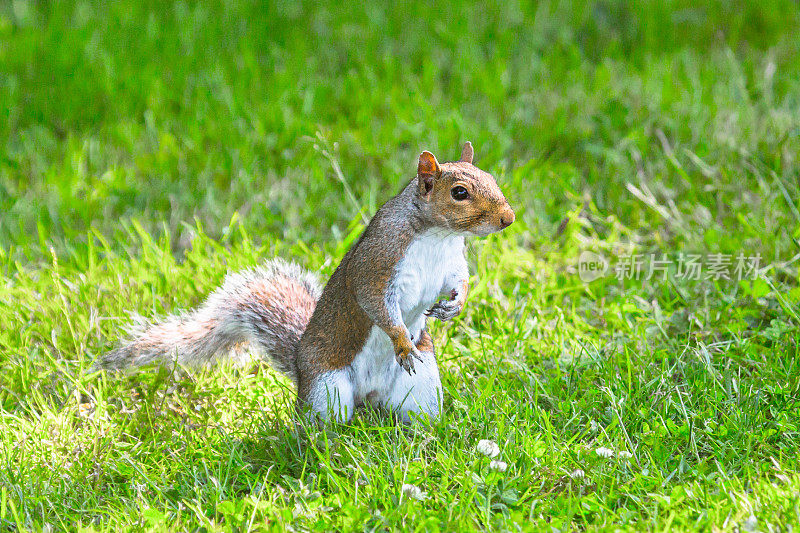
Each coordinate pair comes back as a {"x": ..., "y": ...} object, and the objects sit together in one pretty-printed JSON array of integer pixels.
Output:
[{"x": 266, "y": 308}]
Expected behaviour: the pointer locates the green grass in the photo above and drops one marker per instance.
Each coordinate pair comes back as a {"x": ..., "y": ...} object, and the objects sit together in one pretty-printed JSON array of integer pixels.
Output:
[{"x": 150, "y": 149}]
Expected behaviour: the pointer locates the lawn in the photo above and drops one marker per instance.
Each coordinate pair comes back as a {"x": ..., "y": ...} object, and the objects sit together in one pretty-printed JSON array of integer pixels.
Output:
[{"x": 148, "y": 148}]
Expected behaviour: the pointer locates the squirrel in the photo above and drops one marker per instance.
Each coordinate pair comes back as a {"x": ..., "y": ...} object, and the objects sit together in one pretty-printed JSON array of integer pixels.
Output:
[{"x": 363, "y": 338}]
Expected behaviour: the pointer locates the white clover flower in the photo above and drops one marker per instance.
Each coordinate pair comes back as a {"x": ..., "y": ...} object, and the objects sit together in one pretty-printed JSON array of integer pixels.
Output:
[
  {"x": 85, "y": 409},
  {"x": 500, "y": 466},
  {"x": 412, "y": 491},
  {"x": 605, "y": 453},
  {"x": 489, "y": 448},
  {"x": 625, "y": 455},
  {"x": 577, "y": 474}
]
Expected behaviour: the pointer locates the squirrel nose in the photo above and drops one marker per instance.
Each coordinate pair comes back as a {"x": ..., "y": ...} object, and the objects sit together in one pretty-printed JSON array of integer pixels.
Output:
[{"x": 507, "y": 218}]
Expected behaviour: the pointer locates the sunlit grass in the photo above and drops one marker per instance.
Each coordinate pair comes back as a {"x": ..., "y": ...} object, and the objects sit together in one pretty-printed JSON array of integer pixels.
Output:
[{"x": 151, "y": 149}]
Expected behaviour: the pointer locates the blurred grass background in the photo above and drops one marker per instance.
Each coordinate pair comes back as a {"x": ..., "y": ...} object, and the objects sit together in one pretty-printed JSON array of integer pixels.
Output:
[
  {"x": 149, "y": 147},
  {"x": 170, "y": 112}
]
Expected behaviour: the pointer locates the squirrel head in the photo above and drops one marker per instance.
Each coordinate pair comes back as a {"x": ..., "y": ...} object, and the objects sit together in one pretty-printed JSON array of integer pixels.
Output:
[{"x": 461, "y": 197}]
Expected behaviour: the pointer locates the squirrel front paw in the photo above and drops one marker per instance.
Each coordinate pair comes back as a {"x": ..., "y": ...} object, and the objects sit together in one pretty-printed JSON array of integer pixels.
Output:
[
  {"x": 447, "y": 309},
  {"x": 405, "y": 354}
]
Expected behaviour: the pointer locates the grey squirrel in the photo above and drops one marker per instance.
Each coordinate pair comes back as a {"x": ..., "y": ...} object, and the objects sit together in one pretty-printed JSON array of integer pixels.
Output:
[{"x": 363, "y": 338}]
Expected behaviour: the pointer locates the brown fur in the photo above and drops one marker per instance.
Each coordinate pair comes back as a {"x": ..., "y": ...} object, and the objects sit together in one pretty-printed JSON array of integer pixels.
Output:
[
  {"x": 425, "y": 342},
  {"x": 340, "y": 324}
]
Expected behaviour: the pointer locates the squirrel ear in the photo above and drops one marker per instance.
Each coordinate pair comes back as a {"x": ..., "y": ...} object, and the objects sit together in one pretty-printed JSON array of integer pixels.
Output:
[
  {"x": 467, "y": 153},
  {"x": 427, "y": 171},
  {"x": 428, "y": 164}
]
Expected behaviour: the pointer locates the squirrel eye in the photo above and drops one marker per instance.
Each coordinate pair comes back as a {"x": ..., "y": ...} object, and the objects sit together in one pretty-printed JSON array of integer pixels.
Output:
[{"x": 459, "y": 193}]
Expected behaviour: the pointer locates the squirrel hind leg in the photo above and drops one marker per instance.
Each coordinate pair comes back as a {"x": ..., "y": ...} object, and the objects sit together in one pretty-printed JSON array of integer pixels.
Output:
[
  {"x": 329, "y": 397},
  {"x": 417, "y": 397}
]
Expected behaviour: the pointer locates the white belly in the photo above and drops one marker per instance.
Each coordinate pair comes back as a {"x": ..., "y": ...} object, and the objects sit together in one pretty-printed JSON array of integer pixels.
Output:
[
  {"x": 419, "y": 278},
  {"x": 430, "y": 259}
]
